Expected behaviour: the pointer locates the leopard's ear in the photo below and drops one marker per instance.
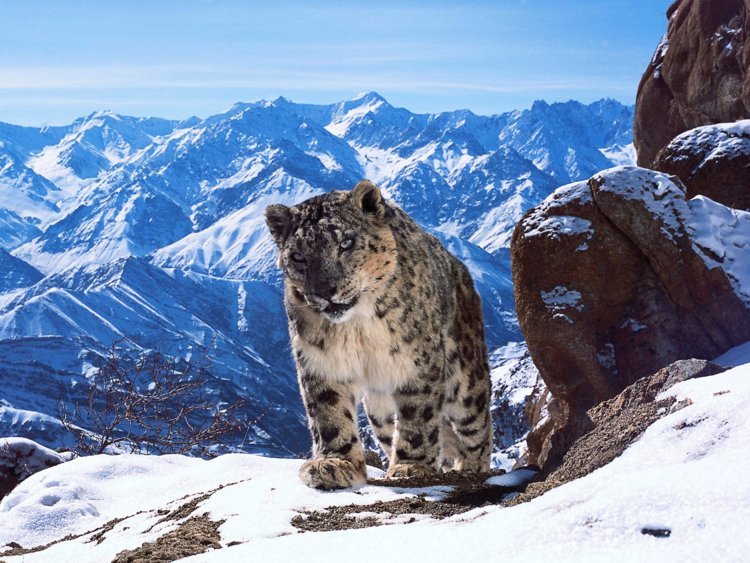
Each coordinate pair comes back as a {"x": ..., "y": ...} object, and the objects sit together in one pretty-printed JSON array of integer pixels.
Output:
[
  {"x": 278, "y": 219},
  {"x": 368, "y": 198}
]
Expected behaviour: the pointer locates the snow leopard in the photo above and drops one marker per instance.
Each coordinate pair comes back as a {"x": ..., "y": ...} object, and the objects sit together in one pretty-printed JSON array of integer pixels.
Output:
[{"x": 379, "y": 312}]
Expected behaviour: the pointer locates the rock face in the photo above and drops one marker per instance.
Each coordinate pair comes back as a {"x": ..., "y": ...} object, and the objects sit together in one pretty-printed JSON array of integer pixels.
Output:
[
  {"x": 713, "y": 160},
  {"x": 698, "y": 75},
  {"x": 613, "y": 425},
  {"x": 617, "y": 277}
]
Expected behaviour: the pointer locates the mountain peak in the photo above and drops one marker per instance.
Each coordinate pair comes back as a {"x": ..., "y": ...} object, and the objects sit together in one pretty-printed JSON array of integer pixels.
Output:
[
  {"x": 539, "y": 105},
  {"x": 281, "y": 101},
  {"x": 101, "y": 115},
  {"x": 370, "y": 97}
]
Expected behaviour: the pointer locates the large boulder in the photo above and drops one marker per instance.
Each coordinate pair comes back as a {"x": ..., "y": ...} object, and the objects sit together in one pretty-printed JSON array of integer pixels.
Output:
[
  {"x": 713, "y": 160},
  {"x": 619, "y": 276},
  {"x": 698, "y": 75}
]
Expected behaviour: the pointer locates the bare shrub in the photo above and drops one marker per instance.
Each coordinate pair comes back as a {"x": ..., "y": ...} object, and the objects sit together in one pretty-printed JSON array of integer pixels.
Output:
[{"x": 153, "y": 404}]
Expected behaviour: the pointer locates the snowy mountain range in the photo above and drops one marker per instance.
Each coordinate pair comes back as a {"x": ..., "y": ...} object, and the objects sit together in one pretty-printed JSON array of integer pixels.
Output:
[{"x": 151, "y": 230}]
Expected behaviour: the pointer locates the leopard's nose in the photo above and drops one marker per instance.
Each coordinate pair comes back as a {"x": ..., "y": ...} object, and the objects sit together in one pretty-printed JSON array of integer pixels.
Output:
[{"x": 325, "y": 291}]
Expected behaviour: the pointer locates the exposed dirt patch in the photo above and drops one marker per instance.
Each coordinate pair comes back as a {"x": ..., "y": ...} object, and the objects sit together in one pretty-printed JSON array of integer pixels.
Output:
[
  {"x": 186, "y": 509},
  {"x": 196, "y": 535},
  {"x": 467, "y": 491},
  {"x": 452, "y": 478},
  {"x": 101, "y": 535},
  {"x": 98, "y": 535}
]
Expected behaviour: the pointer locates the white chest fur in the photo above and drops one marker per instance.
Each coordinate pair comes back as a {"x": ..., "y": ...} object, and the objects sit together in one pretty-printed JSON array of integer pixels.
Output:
[{"x": 362, "y": 351}]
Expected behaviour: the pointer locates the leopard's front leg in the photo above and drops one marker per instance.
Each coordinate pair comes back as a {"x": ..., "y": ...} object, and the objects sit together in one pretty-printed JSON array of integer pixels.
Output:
[
  {"x": 338, "y": 459},
  {"x": 416, "y": 440}
]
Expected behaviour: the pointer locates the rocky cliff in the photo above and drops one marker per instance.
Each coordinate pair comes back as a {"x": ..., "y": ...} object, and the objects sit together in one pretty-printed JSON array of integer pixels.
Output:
[{"x": 698, "y": 74}]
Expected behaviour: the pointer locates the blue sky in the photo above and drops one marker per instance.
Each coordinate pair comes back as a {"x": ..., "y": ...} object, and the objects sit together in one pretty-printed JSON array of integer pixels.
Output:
[{"x": 60, "y": 60}]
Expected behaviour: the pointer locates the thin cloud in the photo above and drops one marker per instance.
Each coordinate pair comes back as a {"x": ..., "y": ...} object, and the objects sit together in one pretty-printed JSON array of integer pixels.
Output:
[{"x": 201, "y": 78}]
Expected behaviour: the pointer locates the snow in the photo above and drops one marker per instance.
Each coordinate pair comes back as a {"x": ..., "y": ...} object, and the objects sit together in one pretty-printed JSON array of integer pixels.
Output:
[
  {"x": 551, "y": 218},
  {"x": 633, "y": 325},
  {"x": 561, "y": 225},
  {"x": 237, "y": 246},
  {"x": 24, "y": 457},
  {"x": 516, "y": 478},
  {"x": 560, "y": 299},
  {"x": 506, "y": 361},
  {"x": 735, "y": 356},
  {"x": 515, "y": 382},
  {"x": 342, "y": 122},
  {"x": 684, "y": 474},
  {"x": 620, "y": 155},
  {"x": 741, "y": 127},
  {"x": 721, "y": 236},
  {"x": 656, "y": 191},
  {"x": 720, "y": 141},
  {"x": 606, "y": 357}
]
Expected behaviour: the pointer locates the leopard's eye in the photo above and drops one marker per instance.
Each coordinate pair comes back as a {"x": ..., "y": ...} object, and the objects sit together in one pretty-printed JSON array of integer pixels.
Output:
[
  {"x": 347, "y": 244},
  {"x": 298, "y": 257}
]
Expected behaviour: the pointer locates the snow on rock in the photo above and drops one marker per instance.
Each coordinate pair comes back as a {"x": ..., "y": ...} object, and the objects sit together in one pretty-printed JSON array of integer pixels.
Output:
[
  {"x": 722, "y": 236},
  {"x": 665, "y": 481},
  {"x": 516, "y": 478},
  {"x": 657, "y": 192},
  {"x": 546, "y": 219},
  {"x": 559, "y": 299},
  {"x": 697, "y": 76},
  {"x": 712, "y": 161},
  {"x": 20, "y": 458},
  {"x": 724, "y": 139}
]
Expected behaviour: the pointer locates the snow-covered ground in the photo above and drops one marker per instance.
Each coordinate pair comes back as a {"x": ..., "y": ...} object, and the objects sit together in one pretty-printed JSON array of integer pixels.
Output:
[{"x": 684, "y": 477}]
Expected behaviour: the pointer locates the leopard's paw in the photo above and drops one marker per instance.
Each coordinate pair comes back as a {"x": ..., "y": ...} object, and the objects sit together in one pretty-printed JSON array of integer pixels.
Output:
[
  {"x": 404, "y": 470},
  {"x": 331, "y": 473}
]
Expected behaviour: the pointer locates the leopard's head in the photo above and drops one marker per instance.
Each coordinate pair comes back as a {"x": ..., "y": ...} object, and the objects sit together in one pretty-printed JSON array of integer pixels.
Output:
[{"x": 335, "y": 248}]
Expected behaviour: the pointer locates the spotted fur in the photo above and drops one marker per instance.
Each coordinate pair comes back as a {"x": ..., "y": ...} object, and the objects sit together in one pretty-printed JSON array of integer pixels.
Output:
[{"x": 380, "y": 311}]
